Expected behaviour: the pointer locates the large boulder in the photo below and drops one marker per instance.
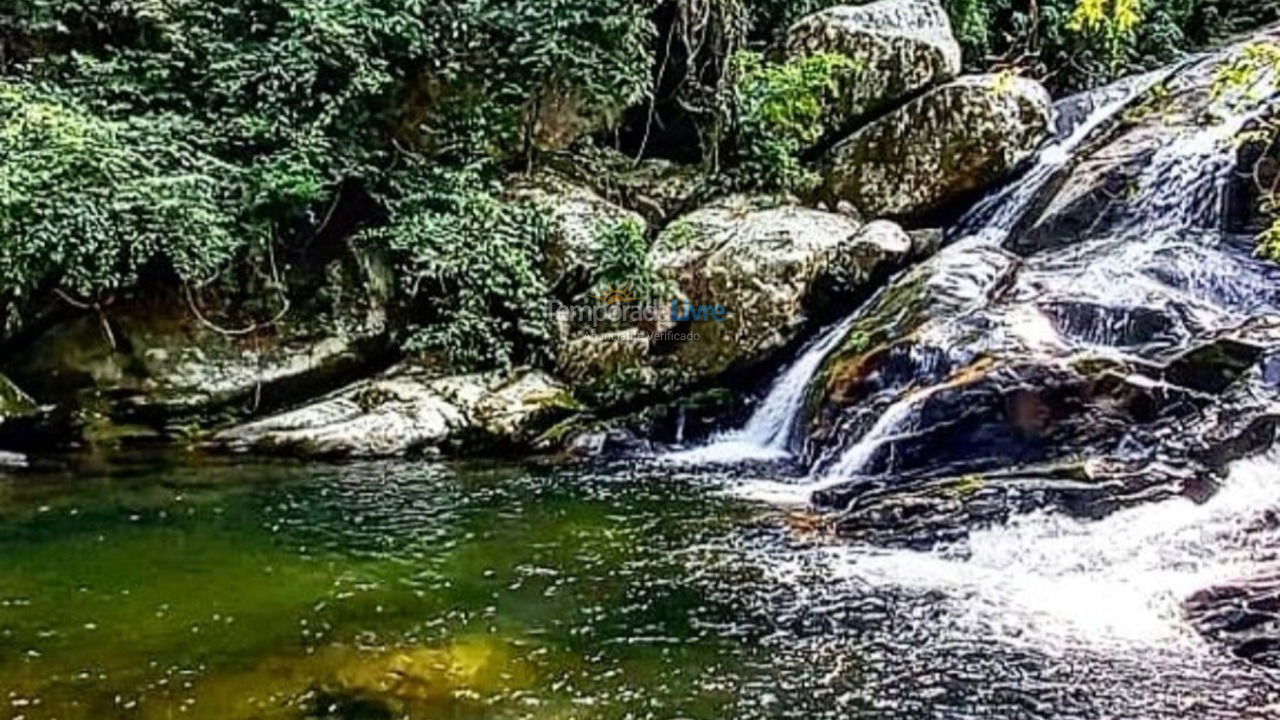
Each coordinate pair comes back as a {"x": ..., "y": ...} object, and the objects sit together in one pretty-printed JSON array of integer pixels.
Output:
[
  {"x": 407, "y": 410},
  {"x": 659, "y": 190},
  {"x": 579, "y": 219},
  {"x": 901, "y": 47},
  {"x": 939, "y": 148},
  {"x": 739, "y": 280},
  {"x": 766, "y": 267}
]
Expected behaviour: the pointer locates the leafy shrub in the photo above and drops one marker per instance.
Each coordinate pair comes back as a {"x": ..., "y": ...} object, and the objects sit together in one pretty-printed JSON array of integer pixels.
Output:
[
  {"x": 182, "y": 132},
  {"x": 469, "y": 267},
  {"x": 1245, "y": 80},
  {"x": 781, "y": 110},
  {"x": 87, "y": 203},
  {"x": 502, "y": 64},
  {"x": 625, "y": 261}
]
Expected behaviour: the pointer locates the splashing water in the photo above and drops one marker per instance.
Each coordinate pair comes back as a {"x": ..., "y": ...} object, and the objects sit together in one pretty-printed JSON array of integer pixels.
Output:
[
  {"x": 1049, "y": 579},
  {"x": 995, "y": 217},
  {"x": 767, "y": 434}
]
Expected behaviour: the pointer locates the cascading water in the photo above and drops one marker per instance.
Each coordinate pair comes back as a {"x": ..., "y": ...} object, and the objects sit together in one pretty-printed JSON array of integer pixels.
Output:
[
  {"x": 996, "y": 216},
  {"x": 1134, "y": 262},
  {"x": 767, "y": 434},
  {"x": 1046, "y": 578},
  {"x": 1064, "y": 343}
]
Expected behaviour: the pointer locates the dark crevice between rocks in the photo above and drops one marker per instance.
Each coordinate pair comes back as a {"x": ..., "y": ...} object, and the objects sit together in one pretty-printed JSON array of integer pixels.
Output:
[{"x": 665, "y": 127}]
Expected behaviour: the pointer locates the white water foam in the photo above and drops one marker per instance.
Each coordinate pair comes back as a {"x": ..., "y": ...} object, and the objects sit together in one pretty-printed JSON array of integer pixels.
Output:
[
  {"x": 1119, "y": 580},
  {"x": 1005, "y": 208},
  {"x": 767, "y": 434}
]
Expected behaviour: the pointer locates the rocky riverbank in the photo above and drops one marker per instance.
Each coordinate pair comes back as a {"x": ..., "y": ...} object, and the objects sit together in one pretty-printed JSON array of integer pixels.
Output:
[{"x": 909, "y": 143}]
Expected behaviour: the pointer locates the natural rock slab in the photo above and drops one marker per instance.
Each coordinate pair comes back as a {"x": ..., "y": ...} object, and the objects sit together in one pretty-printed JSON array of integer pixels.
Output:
[
  {"x": 166, "y": 362},
  {"x": 944, "y": 146},
  {"x": 408, "y": 410}
]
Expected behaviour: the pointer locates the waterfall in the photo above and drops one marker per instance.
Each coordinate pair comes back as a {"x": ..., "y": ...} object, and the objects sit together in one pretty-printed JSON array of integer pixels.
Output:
[
  {"x": 767, "y": 433},
  {"x": 998, "y": 214},
  {"x": 892, "y": 423},
  {"x": 1180, "y": 187}
]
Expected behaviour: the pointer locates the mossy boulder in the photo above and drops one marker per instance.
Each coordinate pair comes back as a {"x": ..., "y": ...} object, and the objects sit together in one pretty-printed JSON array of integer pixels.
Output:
[
  {"x": 13, "y": 401},
  {"x": 165, "y": 360},
  {"x": 940, "y": 148},
  {"x": 901, "y": 47},
  {"x": 579, "y": 218},
  {"x": 765, "y": 265},
  {"x": 740, "y": 280}
]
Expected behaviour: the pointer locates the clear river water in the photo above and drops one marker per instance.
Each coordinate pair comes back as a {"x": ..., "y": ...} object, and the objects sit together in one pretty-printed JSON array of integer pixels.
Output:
[{"x": 230, "y": 591}]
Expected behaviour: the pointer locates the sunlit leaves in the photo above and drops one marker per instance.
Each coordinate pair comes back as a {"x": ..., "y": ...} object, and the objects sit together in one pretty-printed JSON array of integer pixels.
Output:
[{"x": 781, "y": 109}]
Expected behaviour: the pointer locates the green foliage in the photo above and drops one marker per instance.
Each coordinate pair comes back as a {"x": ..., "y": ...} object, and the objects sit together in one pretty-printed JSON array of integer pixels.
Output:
[
  {"x": 470, "y": 266},
  {"x": 1247, "y": 80},
  {"x": 88, "y": 203},
  {"x": 184, "y": 132},
  {"x": 781, "y": 110},
  {"x": 625, "y": 261},
  {"x": 1071, "y": 44},
  {"x": 504, "y": 63}
]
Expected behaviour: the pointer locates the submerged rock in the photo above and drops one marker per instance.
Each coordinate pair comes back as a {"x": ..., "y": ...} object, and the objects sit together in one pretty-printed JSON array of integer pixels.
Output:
[
  {"x": 900, "y": 47},
  {"x": 410, "y": 410},
  {"x": 939, "y": 148},
  {"x": 1244, "y": 616},
  {"x": 425, "y": 680}
]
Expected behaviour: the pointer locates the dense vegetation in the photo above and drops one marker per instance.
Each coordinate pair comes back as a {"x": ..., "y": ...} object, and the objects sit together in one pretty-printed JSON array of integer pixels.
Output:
[{"x": 170, "y": 140}]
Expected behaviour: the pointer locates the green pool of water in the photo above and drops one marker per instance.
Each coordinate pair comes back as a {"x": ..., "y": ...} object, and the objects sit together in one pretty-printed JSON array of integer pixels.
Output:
[
  {"x": 372, "y": 591},
  {"x": 428, "y": 591}
]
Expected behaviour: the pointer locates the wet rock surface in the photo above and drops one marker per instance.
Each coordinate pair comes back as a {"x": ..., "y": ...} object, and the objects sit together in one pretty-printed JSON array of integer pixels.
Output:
[
  {"x": 1182, "y": 113},
  {"x": 1244, "y": 616},
  {"x": 1129, "y": 361}
]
